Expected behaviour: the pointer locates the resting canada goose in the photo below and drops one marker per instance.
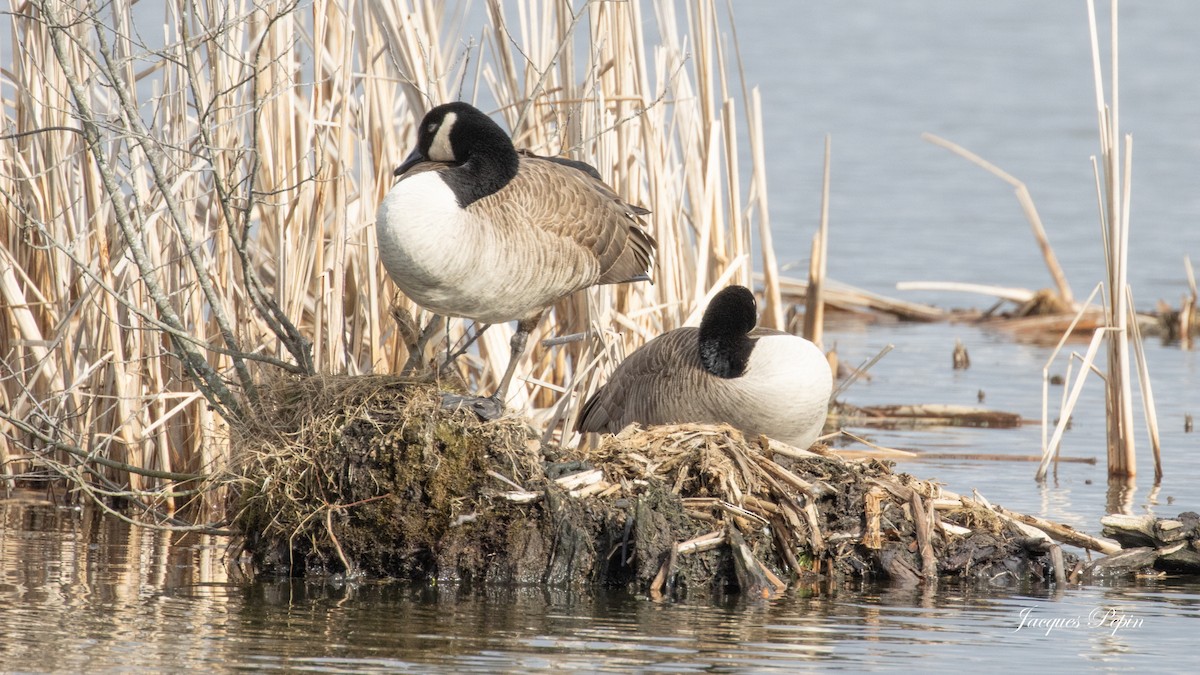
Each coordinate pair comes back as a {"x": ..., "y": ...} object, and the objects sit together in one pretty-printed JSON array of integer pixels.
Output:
[
  {"x": 477, "y": 230},
  {"x": 759, "y": 380}
]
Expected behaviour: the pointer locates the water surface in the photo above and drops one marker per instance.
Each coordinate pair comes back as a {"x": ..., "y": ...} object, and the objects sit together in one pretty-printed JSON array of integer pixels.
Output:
[{"x": 80, "y": 593}]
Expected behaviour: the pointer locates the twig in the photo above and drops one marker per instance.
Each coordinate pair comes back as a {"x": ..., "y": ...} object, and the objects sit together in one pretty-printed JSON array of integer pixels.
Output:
[
  {"x": 861, "y": 370},
  {"x": 85, "y": 456}
]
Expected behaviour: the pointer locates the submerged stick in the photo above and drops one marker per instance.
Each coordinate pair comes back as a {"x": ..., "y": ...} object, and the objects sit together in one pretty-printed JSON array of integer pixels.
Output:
[{"x": 753, "y": 577}]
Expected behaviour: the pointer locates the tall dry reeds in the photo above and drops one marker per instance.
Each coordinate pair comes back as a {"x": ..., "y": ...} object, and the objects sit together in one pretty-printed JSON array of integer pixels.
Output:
[
  {"x": 1113, "y": 173},
  {"x": 187, "y": 204}
]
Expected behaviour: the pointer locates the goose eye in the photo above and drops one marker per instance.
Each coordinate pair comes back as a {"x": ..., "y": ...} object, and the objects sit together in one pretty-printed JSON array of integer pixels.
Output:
[{"x": 432, "y": 127}]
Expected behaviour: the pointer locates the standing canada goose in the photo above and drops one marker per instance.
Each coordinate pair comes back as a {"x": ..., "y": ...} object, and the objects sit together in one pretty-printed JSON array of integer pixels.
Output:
[
  {"x": 477, "y": 230},
  {"x": 759, "y": 380}
]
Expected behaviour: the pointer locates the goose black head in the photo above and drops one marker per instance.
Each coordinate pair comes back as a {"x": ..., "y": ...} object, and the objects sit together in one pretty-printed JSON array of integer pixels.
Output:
[
  {"x": 454, "y": 133},
  {"x": 725, "y": 344},
  {"x": 481, "y": 153}
]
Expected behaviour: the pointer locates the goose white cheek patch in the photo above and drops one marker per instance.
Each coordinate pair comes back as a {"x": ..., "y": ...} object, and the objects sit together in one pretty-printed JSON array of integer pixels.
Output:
[{"x": 440, "y": 150}]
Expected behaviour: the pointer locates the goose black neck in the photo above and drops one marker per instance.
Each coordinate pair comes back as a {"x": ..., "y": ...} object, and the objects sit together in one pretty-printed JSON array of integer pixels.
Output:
[{"x": 491, "y": 164}]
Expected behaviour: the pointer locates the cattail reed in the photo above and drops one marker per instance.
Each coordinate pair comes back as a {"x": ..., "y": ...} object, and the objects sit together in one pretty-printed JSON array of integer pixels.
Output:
[{"x": 187, "y": 205}]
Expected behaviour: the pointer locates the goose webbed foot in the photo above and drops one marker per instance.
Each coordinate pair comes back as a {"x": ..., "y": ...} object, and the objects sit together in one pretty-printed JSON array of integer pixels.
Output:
[{"x": 488, "y": 408}]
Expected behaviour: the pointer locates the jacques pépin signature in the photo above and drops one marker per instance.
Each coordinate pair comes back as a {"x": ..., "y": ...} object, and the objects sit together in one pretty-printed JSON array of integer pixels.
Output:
[{"x": 1099, "y": 617}]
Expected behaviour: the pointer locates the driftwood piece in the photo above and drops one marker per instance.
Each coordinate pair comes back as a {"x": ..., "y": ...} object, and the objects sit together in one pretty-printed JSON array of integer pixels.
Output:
[
  {"x": 1131, "y": 531},
  {"x": 1150, "y": 531},
  {"x": 1164, "y": 543},
  {"x": 1180, "y": 556},
  {"x": 844, "y": 296},
  {"x": 928, "y": 414},
  {"x": 1130, "y": 559},
  {"x": 1063, "y": 533}
]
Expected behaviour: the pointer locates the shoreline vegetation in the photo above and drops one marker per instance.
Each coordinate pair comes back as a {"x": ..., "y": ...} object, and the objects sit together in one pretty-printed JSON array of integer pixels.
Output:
[{"x": 187, "y": 244}]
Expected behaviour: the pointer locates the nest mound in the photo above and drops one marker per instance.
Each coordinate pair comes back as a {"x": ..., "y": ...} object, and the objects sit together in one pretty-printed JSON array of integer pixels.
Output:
[{"x": 371, "y": 475}]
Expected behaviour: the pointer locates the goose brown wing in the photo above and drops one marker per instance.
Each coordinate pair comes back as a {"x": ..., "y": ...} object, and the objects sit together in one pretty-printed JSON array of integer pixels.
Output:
[
  {"x": 651, "y": 386},
  {"x": 567, "y": 198}
]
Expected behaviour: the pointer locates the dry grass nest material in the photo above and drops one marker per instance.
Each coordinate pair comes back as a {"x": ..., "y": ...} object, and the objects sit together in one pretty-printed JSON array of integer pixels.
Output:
[
  {"x": 379, "y": 448},
  {"x": 370, "y": 473}
]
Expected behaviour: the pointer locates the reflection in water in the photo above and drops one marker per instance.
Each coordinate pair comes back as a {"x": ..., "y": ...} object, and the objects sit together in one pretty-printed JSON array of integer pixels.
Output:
[
  {"x": 84, "y": 593},
  {"x": 71, "y": 579},
  {"x": 1120, "y": 494}
]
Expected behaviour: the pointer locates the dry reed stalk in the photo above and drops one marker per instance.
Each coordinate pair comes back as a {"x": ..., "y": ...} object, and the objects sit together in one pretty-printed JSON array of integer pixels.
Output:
[
  {"x": 1064, "y": 412},
  {"x": 178, "y": 221},
  {"x": 1065, "y": 417},
  {"x": 1116, "y": 184},
  {"x": 1027, "y": 206},
  {"x": 1187, "y": 310},
  {"x": 1017, "y": 295},
  {"x": 844, "y": 296},
  {"x": 1113, "y": 175},
  {"x": 1149, "y": 410},
  {"x": 814, "y": 304},
  {"x": 772, "y": 316}
]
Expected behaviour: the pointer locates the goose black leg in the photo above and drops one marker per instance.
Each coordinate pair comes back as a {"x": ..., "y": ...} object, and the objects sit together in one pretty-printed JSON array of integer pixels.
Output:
[{"x": 492, "y": 407}]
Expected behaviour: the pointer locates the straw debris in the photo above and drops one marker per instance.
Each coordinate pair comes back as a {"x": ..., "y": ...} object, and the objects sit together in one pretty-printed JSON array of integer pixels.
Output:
[{"x": 342, "y": 475}]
